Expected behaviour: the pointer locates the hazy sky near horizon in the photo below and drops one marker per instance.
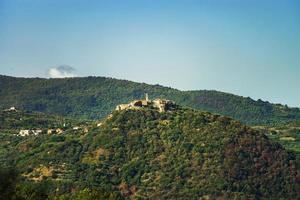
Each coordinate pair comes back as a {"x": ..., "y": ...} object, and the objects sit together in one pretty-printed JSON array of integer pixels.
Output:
[{"x": 246, "y": 47}]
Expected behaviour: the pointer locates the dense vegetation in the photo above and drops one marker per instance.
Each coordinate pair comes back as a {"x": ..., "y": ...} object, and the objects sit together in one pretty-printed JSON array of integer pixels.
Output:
[
  {"x": 95, "y": 97},
  {"x": 16, "y": 120},
  {"x": 287, "y": 135},
  {"x": 137, "y": 154}
]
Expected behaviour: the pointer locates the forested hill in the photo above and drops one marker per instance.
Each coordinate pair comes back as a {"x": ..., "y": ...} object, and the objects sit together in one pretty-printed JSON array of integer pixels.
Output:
[
  {"x": 144, "y": 154},
  {"x": 95, "y": 97}
]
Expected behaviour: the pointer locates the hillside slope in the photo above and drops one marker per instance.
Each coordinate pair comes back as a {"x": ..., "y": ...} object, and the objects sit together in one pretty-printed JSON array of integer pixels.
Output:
[
  {"x": 95, "y": 97},
  {"x": 19, "y": 119},
  {"x": 181, "y": 154}
]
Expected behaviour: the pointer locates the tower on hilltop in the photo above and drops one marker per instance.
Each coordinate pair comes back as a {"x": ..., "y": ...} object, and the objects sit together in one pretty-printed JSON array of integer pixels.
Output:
[{"x": 146, "y": 97}]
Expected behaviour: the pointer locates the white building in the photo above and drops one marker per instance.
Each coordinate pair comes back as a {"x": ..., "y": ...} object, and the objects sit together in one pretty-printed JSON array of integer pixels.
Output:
[
  {"x": 11, "y": 109},
  {"x": 24, "y": 133}
]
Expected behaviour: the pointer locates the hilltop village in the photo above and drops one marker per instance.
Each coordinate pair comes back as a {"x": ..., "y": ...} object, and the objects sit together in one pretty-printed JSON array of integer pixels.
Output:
[
  {"x": 162, "y": 105},
  {"x": 16, "y": 117}
]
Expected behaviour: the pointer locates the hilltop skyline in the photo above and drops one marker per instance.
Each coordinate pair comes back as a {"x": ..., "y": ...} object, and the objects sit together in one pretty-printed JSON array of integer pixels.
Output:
[{"x": 247, "y": 48}]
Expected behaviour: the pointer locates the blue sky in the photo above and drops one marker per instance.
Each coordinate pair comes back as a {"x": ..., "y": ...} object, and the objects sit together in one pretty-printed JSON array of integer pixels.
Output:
[{"x": 246, "y": 47}]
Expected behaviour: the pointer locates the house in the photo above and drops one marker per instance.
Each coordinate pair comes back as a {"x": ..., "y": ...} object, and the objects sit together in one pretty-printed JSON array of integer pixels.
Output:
[
  {"x": 24, "y": 133},
  {"x": 85, "y": 130},
  {"x": 51, "y": 131},
  {"x": 37, "y": 131},
  {"x": 59, "y": 131},
  {"x": 11, "y": 109}
]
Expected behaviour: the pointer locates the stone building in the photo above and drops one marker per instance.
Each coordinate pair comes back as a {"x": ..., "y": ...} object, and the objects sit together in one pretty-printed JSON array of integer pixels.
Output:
[{"x": 161, "y": 105}]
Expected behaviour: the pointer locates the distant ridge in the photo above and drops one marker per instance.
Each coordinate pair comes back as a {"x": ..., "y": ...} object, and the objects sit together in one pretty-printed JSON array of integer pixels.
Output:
[{"x": 95, "y": 97}]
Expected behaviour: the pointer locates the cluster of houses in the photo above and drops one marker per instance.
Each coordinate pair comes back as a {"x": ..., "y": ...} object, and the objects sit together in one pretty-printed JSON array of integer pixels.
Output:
[
  {"x": 24, "y": 133},
  {"x": 85, "y": 129},
  {"x": 37, "y": 131},
  {"x": 28, "y": 132},
  {"x": 162, "y": 105},
  {"x": 58, "y": 131}
]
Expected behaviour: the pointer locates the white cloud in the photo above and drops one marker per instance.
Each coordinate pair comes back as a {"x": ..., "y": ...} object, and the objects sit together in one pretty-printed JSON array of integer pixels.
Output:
[{"x": 61, "y": 71}]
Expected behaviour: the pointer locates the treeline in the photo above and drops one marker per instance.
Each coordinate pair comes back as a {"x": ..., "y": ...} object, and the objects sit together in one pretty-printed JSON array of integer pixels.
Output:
[{"x": 95, "y": 97}]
